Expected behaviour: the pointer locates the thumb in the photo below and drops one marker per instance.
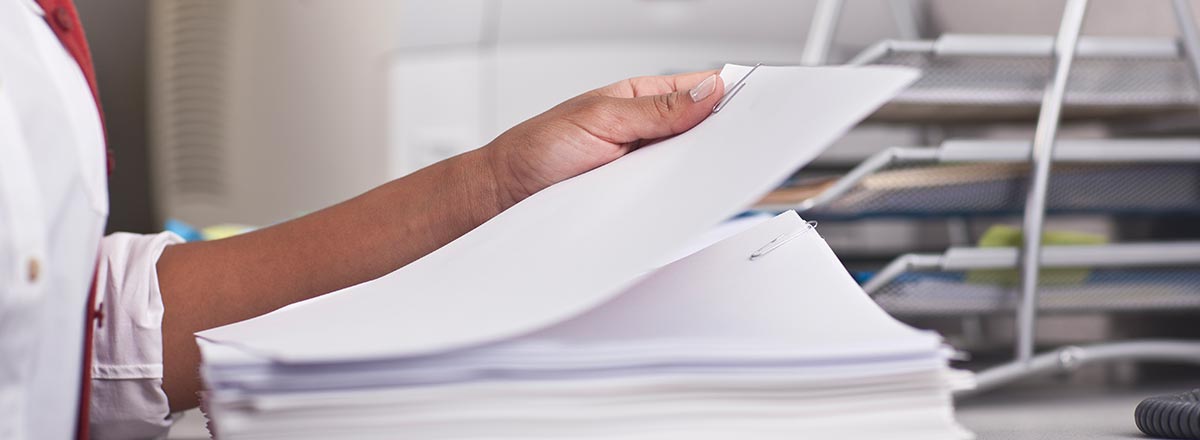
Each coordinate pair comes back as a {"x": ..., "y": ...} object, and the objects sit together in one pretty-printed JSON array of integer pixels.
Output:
[{"x": 658, "y": 116}]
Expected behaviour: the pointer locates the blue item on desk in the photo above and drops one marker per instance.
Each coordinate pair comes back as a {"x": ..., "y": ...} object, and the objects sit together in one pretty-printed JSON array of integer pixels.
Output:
[
  {"x": 184, "y": 230},
  {"x": 862, "y": 276}
]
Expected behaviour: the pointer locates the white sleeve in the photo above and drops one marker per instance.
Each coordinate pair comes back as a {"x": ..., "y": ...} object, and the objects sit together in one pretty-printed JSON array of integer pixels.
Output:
[{"x": 127, "y": 397}]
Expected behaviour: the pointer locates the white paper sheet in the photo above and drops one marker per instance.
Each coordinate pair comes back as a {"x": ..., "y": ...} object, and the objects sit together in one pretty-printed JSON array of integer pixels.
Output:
[
  {"x": 579, "y": 243},
  {"x": 797, "y": 295}
]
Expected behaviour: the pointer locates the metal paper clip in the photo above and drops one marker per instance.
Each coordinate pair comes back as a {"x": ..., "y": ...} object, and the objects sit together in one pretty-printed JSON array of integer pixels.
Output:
[
  {"x": 737, "y": 87},
  {"x": 780, "y": 241}
]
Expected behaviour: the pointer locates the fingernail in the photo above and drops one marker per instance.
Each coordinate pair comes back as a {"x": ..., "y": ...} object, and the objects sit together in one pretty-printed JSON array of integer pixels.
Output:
[{"x": 704, "y": 89}]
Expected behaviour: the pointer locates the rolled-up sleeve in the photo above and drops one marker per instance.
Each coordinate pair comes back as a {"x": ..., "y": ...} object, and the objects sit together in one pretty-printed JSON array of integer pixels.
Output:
[{"x": 127, "y": 371}]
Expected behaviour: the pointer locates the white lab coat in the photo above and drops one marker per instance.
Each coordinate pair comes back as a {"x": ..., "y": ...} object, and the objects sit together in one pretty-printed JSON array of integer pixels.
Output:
[{"x": 53, "y": 207}]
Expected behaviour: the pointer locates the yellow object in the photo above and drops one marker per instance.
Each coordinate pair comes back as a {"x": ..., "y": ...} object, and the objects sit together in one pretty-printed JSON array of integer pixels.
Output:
[
  {"x": 224, "y": 230},
  {"x": 1008, "y": 236}
]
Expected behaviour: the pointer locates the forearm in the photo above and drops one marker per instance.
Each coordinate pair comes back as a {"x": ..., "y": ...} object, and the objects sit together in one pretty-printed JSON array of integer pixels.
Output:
[
  {"x": 208, "y": 284},
  {"x": 205, "y": 285}
]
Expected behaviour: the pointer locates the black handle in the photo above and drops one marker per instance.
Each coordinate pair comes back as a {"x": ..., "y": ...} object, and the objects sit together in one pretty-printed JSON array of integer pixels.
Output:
[{"x": 1171, "y": 416}]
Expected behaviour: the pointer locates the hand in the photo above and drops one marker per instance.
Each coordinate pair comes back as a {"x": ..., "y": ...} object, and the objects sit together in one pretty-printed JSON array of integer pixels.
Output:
[{"x": 596, "y": 128}]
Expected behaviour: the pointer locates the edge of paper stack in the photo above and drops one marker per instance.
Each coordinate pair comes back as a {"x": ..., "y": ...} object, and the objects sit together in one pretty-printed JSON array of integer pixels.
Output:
[{"x": 715, "y": 344}]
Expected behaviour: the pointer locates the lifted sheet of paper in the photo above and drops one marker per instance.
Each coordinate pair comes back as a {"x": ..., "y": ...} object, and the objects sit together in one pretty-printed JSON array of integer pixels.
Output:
[{"x": 579, "y": 243}]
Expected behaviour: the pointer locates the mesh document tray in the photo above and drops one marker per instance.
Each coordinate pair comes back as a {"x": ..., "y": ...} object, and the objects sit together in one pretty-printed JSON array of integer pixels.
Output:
[
  {"x": 1062, "y": 290},
  {"x": 1136, "y": 277},
  {"x": 971, "y": 78},
  {"x": 925, "y": 190}
]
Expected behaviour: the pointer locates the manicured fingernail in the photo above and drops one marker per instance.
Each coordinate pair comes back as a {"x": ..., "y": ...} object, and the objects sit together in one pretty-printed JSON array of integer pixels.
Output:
[{"x": 704, "y": 89}]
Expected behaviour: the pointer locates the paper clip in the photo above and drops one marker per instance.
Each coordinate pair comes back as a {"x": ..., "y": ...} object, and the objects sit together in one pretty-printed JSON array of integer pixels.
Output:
[
  {"x": 737, "y": 87},
  {"x": 780, "y": 241}
]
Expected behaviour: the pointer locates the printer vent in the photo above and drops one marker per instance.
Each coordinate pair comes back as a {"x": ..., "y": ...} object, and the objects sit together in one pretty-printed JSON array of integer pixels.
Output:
[{"x": 189, "y": 60}]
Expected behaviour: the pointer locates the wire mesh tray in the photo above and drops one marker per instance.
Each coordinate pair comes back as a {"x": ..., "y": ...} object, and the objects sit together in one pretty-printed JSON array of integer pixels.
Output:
[
  {"x": 964, "y": 178},
  {"x": 1077, "y": 290},
  {"x": 1162, "y": 277},
  {"x": 1001, "y": 189},
  {"x": 1002, "y": 77}
]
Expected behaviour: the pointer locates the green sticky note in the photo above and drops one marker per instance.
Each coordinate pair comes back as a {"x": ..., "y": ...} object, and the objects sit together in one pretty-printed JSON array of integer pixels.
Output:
[{"x": 1008, "y": 236}]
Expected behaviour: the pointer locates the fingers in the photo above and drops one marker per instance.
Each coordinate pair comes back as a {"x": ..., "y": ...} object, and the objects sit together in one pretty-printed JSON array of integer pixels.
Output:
[
  {"x": 654, "y": 116},
  {"x": 655, "y": 85},
  {"x": 680, "y": 82}
]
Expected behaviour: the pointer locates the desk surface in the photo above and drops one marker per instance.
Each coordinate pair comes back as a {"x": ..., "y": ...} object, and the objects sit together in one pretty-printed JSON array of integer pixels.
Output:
[
  {"x": 1057, "y": 412},
  {"x": 1031, "y": 413}
]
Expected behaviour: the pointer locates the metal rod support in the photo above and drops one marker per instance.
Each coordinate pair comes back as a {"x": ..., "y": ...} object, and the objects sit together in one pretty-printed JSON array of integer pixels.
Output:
[
  {"x": 1043, "y": 150},
  {"x": 821, "y": 32},
  {"x": 1070, "y": 358},
  {"x": 1188, "y": 36},
  {"x": 907, "y": 14},
  {"x": 872, "y": 165},
  {"x": 906, "y": 263}
]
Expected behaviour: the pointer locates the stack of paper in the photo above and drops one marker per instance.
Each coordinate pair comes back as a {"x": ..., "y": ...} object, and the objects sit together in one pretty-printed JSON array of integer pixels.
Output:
[{"x": 557, "y": 319}]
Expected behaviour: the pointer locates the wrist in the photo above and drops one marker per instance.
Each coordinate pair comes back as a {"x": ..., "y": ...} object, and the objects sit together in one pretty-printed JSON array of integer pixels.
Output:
[
  {"x": 486, "y": 181},
  {"x": 508, "y": 183}
]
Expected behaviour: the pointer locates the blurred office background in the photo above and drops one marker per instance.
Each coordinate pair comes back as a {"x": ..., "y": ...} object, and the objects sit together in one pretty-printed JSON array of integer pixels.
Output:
[{"x": 254, "y": 112}]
